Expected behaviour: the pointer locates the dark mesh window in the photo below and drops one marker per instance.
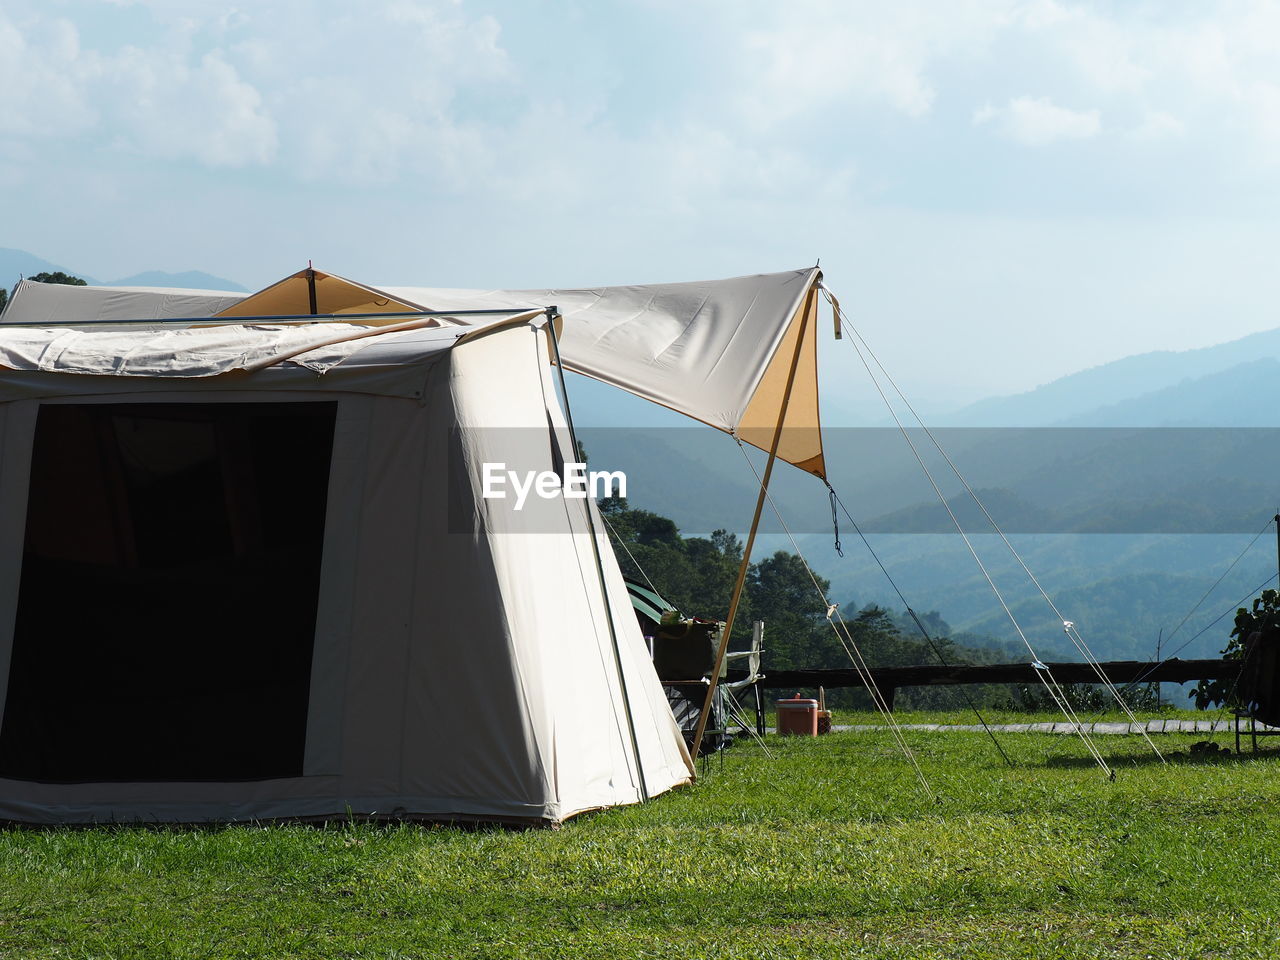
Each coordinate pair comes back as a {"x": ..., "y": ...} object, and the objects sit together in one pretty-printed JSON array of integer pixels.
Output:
[{"x": 169, "y": 584}]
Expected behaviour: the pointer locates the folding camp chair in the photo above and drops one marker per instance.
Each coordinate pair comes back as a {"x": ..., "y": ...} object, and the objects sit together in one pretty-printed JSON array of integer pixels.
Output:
[{"x": 750, "y": 661}]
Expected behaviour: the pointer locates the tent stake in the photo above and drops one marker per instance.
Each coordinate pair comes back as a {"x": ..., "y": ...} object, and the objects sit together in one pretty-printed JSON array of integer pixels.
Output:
[
  {"x": 553, "y": 313},
  {"x": 723, "y": 648}
]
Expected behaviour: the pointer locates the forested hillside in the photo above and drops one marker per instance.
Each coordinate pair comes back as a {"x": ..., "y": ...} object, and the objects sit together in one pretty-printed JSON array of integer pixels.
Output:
[{"x": 696, "y": 575}]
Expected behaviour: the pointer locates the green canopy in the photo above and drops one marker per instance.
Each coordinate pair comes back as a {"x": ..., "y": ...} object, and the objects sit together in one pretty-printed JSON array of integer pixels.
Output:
[{"x": 647, "y": 603}]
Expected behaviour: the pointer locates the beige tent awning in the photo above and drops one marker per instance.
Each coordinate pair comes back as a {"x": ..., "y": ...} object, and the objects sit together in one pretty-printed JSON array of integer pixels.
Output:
[{"x": 719, "y": 351}]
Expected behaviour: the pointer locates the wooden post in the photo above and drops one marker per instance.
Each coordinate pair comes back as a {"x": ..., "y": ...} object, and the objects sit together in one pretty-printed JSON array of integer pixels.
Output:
[
  {"x": 1276, "y": 519},
  {"x": 755, "y": 524}
]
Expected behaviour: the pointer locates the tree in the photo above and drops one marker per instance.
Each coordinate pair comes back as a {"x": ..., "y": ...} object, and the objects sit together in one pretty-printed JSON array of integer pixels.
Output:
[
  {"x": 694, "y": 574},
  {"x": 697, "y": 574},
  {"x": 4, "y": 297},
  {"x": 782, "y": 594},
  {"x": 57, "y": 276},
  {"x": 1264, "y": 620}
]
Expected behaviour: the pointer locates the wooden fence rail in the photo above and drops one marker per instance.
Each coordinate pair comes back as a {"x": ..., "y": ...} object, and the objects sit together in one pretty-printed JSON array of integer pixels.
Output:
[{"x": 889, "y": 679}]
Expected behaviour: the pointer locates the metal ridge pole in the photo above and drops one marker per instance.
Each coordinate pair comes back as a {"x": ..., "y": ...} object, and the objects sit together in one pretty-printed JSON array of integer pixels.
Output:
[{"x": 280, "y": 317}]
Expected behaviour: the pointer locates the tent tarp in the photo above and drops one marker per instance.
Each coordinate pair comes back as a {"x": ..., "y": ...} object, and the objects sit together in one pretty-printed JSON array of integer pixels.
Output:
[
  {"x": 214, "y": 350},
  {"x": 45, "y": 303},
  {"x": 720, "y": 351}
]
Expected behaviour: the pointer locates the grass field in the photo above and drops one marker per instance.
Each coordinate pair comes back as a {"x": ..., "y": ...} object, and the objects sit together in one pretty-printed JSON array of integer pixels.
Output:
[
  {"x": 826, "y": 849},
  {"x": 993, "y": 715}
]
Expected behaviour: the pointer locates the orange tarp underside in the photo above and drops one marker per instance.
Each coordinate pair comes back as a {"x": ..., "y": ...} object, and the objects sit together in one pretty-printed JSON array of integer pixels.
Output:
[
  {"x": 801, "y": 440},
  {"x": 291, "y": 297}
]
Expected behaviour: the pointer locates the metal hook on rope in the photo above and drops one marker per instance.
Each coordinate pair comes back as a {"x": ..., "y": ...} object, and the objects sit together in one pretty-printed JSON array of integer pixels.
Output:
[{"x": 835, "y": 520}]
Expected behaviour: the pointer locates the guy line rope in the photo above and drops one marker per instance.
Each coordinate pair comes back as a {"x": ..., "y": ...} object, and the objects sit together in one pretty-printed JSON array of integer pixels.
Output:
[
  {"x": 1056, "y": 693},
  {"x": 841, "y": 630}
]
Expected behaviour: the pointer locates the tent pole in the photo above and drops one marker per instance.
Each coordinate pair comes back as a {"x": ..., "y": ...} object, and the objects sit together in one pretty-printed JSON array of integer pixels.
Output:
[
  {"x": 751, "y": 537},
  {"x": 311, "y": 288},
  {"x": 553, "y": 313}
]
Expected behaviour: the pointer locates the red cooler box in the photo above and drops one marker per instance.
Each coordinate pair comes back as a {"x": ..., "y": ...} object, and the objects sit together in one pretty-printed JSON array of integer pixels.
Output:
[{"x": 797, "y": 717}]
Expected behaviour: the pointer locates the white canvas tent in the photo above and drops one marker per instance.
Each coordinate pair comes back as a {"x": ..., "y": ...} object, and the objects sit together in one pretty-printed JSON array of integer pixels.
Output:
[
  {"x": 356, "y": 630},
  {"x": 238, "y": 595}
]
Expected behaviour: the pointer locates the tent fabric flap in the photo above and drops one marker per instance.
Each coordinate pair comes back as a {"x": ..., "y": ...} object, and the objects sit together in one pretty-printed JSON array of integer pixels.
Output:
[
  {"x": 208, "y": 351},
  {"x": 149, "y": 352},
  {"x": 713, "y": 350},
  {"x": 38, "y": 303}
]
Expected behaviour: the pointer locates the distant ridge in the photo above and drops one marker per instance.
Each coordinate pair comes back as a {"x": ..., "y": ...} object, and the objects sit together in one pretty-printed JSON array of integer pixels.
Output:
[
  {"x": 1073, "y": 397},
  {"x": 190, "y": 279},
  {"x": 16, "y": 264},
  {"x": 1244, "y": 395}
]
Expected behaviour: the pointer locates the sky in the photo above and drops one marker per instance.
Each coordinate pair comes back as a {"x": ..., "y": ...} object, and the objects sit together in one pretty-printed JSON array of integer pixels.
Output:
[{"x": 1000, "y": 192}]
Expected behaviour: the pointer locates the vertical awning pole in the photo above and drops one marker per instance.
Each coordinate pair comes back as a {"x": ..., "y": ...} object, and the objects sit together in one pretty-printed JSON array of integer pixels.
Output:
[{"x": 755, "y": 524}]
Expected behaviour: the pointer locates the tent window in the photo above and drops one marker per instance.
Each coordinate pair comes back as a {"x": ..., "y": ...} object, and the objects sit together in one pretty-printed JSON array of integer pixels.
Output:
[{"x": 167, "y": 607}]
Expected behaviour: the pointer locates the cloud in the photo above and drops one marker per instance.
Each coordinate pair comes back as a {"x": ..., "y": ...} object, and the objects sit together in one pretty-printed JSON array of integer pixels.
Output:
[
  {"x": 170, "y": 109},
  {"x": 735, "y": 99},
  {"x": 43, "y": 85},
  {"x": 813, "y": 56},
  {"x": 1108, "y": 53},
  {"x": 1212, "y": 66},
  {"x": 1158, "y": 125},
  {"x": 155, "y": 102},
  {"x": 354, "y": 95},
  {"x": 1035, "y": 122}
]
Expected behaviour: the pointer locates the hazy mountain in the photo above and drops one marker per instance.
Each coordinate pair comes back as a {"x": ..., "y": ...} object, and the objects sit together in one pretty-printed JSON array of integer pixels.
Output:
[
  {"x": 1244, "y": 395},
  {"x": 191, "y": 280},
  {"x": 1122, "y": 592},
  {"x": 1119, "y": 496},
  {"x": 16, "y": 264},
  {"x": 1078, "y": 394}
]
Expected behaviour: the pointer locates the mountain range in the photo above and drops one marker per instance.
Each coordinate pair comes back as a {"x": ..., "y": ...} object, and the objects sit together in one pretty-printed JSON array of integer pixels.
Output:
[
  {"x": 1139, "y": 493},
  {"x": 15, "y": 264},
  {"x": 1208, "y": 386}
]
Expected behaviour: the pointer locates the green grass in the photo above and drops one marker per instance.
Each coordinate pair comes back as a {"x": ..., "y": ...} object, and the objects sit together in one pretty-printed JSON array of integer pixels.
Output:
[
  {"x": 994, "y": 715},
  {"x": 827, "y": 849}
]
